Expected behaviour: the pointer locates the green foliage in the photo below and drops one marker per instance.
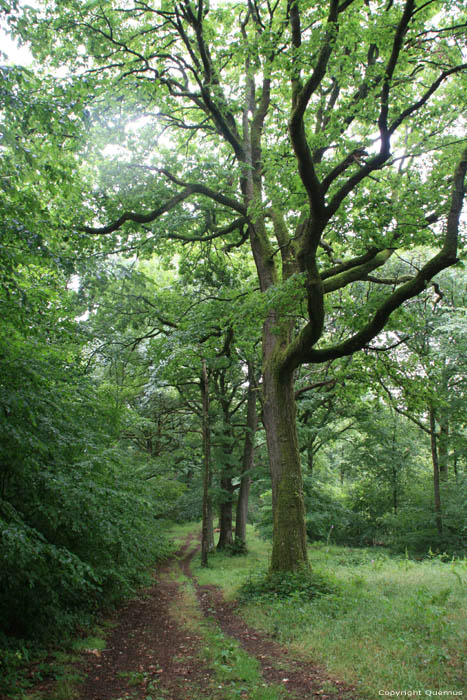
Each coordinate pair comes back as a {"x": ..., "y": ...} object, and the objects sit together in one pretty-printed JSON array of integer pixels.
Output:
[
  {"x": 98, "y": 419},
  {"x": 78, "y": 524},
  {"x": 413, "y": 529},
  {"x": 237, "y": 548},
  {"x": 329, "y": 517},
  {"x": 189, "y": 506},
  {"x": 303, "y": 584}
]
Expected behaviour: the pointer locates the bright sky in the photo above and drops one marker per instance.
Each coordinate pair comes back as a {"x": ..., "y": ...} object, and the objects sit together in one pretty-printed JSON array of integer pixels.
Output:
[
  {"x": 19, "y": 55},
  {"x": 16, "y": 54}
]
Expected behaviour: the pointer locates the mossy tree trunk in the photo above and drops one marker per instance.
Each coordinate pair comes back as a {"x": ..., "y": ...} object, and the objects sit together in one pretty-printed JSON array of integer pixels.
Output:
[
  {"x": 279, "y": 414},
  {"x": 207, "y": 534},
  {"x": 247, "y": 460}
]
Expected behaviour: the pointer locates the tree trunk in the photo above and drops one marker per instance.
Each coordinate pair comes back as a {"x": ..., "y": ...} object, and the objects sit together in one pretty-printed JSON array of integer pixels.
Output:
[
  {"x": 225, "y": 513},
  {"x": 247, "y": 461},
  {"x": 289, "y": 540},
  {"x": 207, "y": 535},
  {"x": 394, "y": 493},
  {"x": 436, "y": 486},
  {"x": 443, "y": 447},
  {"x": 394, "y": 469},
  {"x": 227, "y": 489},
  {"x": 310, "y": 459}
]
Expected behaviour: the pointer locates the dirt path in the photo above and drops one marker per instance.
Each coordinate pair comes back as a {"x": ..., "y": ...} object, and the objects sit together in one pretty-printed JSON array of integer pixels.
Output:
[
  {"x": 301, "y": 679},
  {"x": 150, "y": 655}
]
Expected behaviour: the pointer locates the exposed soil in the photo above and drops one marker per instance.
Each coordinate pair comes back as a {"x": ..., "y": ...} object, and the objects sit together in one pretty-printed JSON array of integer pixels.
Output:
[
  {"x": 149, "y": 654},
  {"x": 147, "y": 649},
  {"x": 300, "y": 678}
]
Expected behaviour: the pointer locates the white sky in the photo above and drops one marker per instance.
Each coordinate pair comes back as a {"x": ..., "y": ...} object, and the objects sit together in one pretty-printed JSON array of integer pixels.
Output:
[{"x": 16, "y": 54}]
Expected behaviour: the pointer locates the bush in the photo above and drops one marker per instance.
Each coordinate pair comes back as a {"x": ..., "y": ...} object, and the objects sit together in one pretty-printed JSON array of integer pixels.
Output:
[
  {"x": 77, "y": 522},
  {"x": 304, "y": 584},
  {"x": 189, "y": 506},
  {"x": 413, "y": 527}
]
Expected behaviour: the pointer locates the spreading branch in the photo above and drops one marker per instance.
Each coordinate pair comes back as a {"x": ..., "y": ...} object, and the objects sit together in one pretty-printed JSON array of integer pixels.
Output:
[{"x": 300, "y": 349}]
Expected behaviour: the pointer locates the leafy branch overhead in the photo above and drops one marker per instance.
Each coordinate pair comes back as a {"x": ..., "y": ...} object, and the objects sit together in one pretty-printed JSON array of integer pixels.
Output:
[{"x": 236, "y": 90}]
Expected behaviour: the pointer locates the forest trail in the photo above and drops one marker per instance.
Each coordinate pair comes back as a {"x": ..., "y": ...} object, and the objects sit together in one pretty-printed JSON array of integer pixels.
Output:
[{"x": 153, "y": 650}]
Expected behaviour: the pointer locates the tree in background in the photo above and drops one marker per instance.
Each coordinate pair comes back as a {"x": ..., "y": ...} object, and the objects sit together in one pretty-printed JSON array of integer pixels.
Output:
[
  {"x": 424, "y": 376},
  {"x": 178, "y": 349}
]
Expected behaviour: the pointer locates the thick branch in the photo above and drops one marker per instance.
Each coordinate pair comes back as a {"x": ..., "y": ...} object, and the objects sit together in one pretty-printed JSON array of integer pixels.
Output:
[
  {"x": 342, "y": 267},
  {"x": 358, "y": 272},
  {"x": 140, "y": 218},
  {"x": 189, "y": 190},
  {"x": 390, "y": 68},
  {"x": 301, "y": 98},
  {"x": 301, "y": 351},
  {"x": 390, "y": 281}
]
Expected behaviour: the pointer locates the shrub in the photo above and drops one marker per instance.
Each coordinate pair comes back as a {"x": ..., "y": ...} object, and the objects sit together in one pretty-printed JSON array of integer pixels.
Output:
[{"x": 305, "y": 584}]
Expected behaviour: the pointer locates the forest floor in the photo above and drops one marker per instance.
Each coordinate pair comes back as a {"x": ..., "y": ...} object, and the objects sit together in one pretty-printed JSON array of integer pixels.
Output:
[
  {"x": 179, "y": 640},
  {"x": 393, "y": 626}
]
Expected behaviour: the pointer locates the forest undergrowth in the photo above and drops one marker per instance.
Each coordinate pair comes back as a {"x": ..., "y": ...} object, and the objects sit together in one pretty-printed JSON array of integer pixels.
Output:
[
  {"x": 394, "y": 623},
  {"x": 391, "y": 625}
]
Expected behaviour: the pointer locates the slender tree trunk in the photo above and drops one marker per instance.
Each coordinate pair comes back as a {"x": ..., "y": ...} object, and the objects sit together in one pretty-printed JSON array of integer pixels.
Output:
[
  {"x": 310, "y": 459},
  {"x": 227, "y": 489},
  {"x": 394, "y": 469},
  {"x": 443, "y": 447},
  {"x": 394, "y": 491},
  {"x": 247, "y": 460},
  {"x": 436, "y": 485},
  {"x": 207, "y": 535},
  {"x": 289, "y": 541}
]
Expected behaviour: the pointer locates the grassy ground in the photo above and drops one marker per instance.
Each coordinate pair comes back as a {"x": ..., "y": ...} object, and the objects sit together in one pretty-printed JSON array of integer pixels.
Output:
[
  {"x": 235, "y": 673},
  {"x": 397, "y": 625}
]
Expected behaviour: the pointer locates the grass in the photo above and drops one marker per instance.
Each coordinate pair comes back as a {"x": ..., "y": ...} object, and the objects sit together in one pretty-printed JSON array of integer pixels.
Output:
[
  {"x": 392, "y": 625},
  {"x": 234, "y": 674},
  {"x": 395, "y": 625},
  {"x": 179, "y": 532},
  {"x": 231, "y": 572}
]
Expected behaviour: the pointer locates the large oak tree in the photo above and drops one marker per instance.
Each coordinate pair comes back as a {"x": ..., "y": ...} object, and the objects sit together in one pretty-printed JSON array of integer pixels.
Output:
[{"x": 324, "y": 136}]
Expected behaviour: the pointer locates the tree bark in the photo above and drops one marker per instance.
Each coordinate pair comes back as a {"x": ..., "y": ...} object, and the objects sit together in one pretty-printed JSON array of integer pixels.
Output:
[
  {"x": 207, "y": 534},
  {"x": 247, "y": 461},
  {"x": 225, "y": 513},
  {"x": 227, "y": 489},
  {"x": 394, "y": 491},
  {"x": 310, "y": 459},
  {"x": 436, "y": 485},
  {"x": 289, "y": 540},
  {"x": 443, "y": 447}
]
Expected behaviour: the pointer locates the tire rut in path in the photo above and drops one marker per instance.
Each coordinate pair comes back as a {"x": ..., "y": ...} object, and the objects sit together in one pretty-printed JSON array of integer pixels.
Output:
[
  {"x": 148, "y": 646},
  {"x": 300, "y": 678}
]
